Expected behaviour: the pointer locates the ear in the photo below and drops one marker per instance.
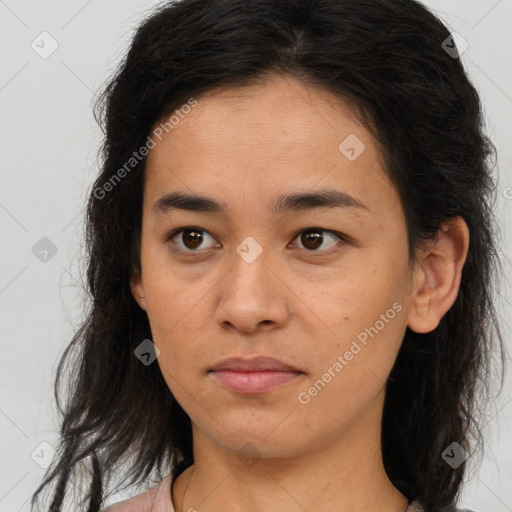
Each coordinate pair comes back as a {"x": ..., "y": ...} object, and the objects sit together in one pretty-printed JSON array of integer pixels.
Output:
[
  {"x": 138, "y": 290},
  {"x": 437, "y": 276}
]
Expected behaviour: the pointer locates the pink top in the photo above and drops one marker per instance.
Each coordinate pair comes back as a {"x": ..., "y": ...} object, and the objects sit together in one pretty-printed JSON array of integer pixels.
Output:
[
  {"x": 158, "y": 499},
  {"x": 154, "y": 499}
]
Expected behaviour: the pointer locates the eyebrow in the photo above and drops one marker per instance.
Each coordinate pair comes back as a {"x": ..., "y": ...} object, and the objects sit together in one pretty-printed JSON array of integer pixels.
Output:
[{"x": 325, "y": 198}]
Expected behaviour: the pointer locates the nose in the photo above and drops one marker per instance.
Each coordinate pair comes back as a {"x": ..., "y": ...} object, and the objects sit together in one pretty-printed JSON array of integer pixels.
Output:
[{"x": 252, "y": 294}]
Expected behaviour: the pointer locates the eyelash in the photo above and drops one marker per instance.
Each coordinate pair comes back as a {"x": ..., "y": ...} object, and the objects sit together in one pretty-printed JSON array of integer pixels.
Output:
[{"x": 343, "y": 238}]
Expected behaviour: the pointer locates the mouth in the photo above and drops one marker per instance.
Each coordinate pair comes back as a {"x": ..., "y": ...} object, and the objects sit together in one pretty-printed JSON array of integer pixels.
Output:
[{"x": 254, "y": 376}]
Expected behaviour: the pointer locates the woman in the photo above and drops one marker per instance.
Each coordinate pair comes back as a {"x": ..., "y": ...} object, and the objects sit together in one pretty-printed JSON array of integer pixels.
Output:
[{"x": 291, "y": 259}]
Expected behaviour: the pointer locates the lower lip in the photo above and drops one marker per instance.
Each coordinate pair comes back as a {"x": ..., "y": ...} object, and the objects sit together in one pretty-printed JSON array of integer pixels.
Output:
[{"x": 254, "y": 382}]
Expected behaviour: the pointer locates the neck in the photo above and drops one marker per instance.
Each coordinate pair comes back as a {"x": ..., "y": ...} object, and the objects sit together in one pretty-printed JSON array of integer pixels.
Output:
[{"x": 342, "y": 472}]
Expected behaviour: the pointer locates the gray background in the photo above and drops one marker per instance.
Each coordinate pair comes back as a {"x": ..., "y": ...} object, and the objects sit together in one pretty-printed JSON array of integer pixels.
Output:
[{"x": 49, "y": 141}]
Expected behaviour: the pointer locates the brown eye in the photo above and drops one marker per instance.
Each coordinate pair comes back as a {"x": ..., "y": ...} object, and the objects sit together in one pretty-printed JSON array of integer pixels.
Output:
[
  {"x": 313, "y": 238},
  {"x": 190, "y": 238}
]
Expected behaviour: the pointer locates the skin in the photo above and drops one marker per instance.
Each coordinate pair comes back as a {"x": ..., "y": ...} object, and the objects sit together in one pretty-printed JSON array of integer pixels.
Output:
[{"x": 244, "y": 147}]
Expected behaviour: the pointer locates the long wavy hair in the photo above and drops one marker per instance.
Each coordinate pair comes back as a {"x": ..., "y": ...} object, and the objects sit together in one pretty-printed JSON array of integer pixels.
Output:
[{"x": 390, "y": 59}]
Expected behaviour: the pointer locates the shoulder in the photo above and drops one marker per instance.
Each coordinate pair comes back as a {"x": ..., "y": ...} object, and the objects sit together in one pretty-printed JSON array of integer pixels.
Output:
[{"x": 154, "y": 499}]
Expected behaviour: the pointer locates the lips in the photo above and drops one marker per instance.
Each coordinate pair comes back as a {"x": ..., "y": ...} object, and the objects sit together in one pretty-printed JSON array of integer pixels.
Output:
[
  {"x": 256, "y": 375},
  {"x": 255, "y": 364}
]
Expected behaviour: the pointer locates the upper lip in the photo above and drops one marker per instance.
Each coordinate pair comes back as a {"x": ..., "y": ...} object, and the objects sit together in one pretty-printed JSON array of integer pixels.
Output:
[{"x": 259, "y": 363}]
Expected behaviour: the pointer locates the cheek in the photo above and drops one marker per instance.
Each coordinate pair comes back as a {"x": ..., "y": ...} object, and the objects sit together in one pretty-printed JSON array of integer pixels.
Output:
[
  {"x": 366, "y": 319},
  {"x": 351, "y": 371},
  {"x": 178, "y": 312},
  {"x": 174, "y": 298},
  {"x": 360, "y": 297}
]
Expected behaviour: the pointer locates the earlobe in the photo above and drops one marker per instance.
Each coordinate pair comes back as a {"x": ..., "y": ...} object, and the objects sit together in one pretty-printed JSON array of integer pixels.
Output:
[
  {"x": 437, "y": 276},
  {"x": 137, "y": 289}
]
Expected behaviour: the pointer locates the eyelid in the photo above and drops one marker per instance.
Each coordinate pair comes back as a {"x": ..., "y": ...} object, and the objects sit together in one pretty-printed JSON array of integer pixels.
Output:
[
  {"x": 176, "y": 231},
  {"x": 341, "y": 236},
  {"x": 326, "y": 252}
]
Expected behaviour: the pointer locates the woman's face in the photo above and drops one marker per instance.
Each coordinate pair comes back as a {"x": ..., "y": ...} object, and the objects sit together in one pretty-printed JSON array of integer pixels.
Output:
[{"x": 251, "y": 280}]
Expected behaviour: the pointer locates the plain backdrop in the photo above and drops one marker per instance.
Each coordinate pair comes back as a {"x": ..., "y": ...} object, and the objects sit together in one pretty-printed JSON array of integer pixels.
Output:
[{"x": 49, "y": 142}]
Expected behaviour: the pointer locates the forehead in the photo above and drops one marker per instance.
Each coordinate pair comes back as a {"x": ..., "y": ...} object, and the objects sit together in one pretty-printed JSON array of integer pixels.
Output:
[
  {"x": 273, "y": 137},
  {"x": 299, "y": 113}
]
